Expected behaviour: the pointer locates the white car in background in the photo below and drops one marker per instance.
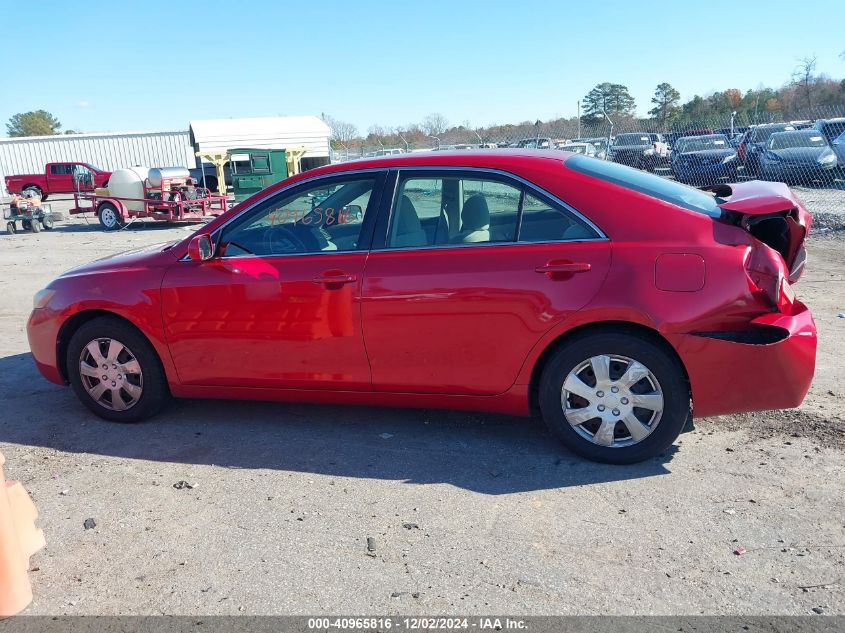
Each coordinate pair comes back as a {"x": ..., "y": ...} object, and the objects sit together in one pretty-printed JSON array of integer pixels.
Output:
[{"x": 587, "y": 149}]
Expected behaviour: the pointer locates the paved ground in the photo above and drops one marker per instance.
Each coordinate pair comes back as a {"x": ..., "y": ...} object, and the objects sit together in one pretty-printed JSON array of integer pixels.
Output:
[{"x": 470, "y": 513}]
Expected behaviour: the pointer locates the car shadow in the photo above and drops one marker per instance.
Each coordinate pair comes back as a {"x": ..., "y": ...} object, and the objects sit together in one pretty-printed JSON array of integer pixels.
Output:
[{"x": 490, "y": 454}]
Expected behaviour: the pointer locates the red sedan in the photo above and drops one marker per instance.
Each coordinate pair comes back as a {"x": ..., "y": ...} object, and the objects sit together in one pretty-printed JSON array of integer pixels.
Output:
[{"x": 613, "y": 301}]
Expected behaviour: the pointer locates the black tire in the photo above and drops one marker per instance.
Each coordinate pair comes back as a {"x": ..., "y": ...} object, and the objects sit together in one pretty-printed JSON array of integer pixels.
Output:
[
  {"x": 11, "y": 228},
  {"x": 26, "y": 225},
  {"x": 663, "y": 366},
  {"x": 47, "y": 223},
  {"x": 110, "y": 218},
  {"x": 35, "y": 191},
  {"x": 35, "y": 226},
  {"x": 155, "y": 392}
]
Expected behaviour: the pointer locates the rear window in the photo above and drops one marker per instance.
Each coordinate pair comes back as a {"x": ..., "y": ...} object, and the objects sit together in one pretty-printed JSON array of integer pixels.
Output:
[
  {"x": 633, "y": 139},
  {"x": 649, "y": 184},
  {"x": 762, "y": 134}
]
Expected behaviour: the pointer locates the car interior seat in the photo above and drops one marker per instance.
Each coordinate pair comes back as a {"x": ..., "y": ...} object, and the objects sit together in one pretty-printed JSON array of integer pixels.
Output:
[
  {"x": 408, "y": 231},
  {"x": 475, "y": 221}
]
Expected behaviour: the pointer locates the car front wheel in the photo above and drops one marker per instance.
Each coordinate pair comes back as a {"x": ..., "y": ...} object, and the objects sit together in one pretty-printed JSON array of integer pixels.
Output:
[
  {"x": 115, "y": 371},
  {"x": 614, "y": 397}
]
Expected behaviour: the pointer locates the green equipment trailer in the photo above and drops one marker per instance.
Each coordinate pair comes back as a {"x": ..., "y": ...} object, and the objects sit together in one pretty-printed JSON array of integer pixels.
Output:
[{"x": 254, "y": 169}]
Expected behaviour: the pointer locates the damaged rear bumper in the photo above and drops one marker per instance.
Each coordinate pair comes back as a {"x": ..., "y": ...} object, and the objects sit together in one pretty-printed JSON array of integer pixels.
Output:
[{"x": 770, "y": 366}]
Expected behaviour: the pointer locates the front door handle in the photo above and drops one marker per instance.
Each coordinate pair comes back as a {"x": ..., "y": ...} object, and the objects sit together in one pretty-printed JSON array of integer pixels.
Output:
[
  {"x": 332, "y": 279},
  {"x": 563, "y": 270}
]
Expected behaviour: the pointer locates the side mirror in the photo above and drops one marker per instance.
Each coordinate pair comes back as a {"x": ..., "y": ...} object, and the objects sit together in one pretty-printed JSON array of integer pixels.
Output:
[
  {"x": 200, "y": 248},
  {"x": 352, "y": 214}
]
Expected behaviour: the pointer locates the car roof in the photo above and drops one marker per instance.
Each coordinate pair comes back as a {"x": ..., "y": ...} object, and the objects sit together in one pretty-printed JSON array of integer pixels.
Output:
[{"x": 447, "y": 158}]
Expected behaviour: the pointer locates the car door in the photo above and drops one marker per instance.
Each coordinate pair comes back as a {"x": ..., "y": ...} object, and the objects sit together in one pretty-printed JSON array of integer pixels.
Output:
[
  {"x": 278, "y": 305},
  {"x": 60, "y": 178},
  {"x": 468, "y": 270}
]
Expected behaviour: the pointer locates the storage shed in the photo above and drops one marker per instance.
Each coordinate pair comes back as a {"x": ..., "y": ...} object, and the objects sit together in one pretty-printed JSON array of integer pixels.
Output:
[{"x": 286, "y": 132}]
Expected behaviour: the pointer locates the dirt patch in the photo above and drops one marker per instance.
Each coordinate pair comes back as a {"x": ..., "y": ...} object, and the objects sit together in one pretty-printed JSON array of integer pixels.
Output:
[{"x": 824, "y": 431}]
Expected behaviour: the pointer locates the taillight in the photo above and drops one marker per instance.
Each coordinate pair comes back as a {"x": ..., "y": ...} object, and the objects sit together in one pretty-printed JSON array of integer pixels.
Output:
[{"x": 768, "y": 280}]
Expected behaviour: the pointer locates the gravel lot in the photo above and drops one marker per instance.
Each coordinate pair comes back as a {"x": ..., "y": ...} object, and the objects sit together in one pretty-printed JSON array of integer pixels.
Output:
[{"x": 470, "y": 513}]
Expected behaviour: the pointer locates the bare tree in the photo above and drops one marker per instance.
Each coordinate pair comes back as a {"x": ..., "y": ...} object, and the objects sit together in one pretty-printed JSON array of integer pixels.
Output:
[
  {"x": 341, "y": 130},
  {"x": 804, "y": 77},
  {"x": 434, "y": 124},
  {"x": 377, "y": 133}
]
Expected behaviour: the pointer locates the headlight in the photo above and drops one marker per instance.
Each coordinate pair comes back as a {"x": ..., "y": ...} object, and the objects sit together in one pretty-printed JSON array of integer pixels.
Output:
[
  {"x": 42, "y": 298},
  {"x": 729, "y": 158},
  {"x": 827, "y": 158}
]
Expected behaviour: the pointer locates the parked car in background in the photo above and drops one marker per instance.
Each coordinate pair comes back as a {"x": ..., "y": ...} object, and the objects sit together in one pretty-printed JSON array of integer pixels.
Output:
[
  {"x": 830, "y": 128},
  {"x": 704, "y": 160},
  {"x": 599, "y": 142},
  {"x": 838, "y": 147},
  {"x": 58, "y": 178},
  {"x": 753, "y": 143},
  {"x": 472, "y": 280},
  {"x": 643, "y": 150},
  {"x": 588, "y": 149},
  {"x": 540, "y": 142},
  {"x": 799, "y": 156}
]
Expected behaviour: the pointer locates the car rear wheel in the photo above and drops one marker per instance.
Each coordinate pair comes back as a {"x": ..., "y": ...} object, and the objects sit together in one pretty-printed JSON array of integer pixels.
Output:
[
  {"x": 615, "y": 398},
  {"x": 115, "y": 372},
  {"x": 33, "y": 191}
]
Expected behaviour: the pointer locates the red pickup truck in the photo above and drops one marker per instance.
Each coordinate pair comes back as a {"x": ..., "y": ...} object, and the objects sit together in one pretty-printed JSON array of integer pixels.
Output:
[{"x": 58, "y": 178}]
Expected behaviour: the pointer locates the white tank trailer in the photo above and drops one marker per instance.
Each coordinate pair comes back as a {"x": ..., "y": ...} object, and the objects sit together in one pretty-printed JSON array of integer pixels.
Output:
[
  {"x": 161, "y": 193},
  {"x": 129, "y": 182}
]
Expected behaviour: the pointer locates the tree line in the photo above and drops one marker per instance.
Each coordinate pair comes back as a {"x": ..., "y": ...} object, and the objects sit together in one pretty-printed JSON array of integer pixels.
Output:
[{"x": 806, "y": 95}]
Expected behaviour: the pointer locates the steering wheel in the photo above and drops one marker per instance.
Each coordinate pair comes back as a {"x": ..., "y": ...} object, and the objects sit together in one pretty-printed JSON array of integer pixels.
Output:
[{"x": 280, "y": 239}]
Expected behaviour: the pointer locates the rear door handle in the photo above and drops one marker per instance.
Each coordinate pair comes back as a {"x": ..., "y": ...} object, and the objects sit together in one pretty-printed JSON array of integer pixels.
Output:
[{"x": 553, "y": 269}]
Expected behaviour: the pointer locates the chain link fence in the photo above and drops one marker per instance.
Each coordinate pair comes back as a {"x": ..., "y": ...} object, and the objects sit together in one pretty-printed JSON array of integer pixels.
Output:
[{"x": 808, "y": 152}]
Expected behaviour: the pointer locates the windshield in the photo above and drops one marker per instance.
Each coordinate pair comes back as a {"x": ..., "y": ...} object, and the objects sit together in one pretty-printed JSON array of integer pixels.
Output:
[
  {"x": 633, "y": 139},
  {"x": 785, "y": 140},
  {"x": 649, "y": 184},
  {"x": 701, "y": 143},
  {"x": 762, "y": 134}
]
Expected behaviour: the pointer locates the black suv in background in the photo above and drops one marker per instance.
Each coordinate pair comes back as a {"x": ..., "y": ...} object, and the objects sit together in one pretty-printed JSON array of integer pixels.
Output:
[{"x": 643, "y": 150}]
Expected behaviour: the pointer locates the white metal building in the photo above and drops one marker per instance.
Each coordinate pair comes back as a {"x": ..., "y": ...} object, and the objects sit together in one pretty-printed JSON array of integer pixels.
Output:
[
  {"x": 114, "y": 150},
  {"x": 107, "y": 150},
  {"x": 280, "y": 132}
]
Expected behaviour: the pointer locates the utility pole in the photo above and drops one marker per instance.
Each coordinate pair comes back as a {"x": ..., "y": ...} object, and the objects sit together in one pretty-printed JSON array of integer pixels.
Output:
[{"x": 578, "y": 106}]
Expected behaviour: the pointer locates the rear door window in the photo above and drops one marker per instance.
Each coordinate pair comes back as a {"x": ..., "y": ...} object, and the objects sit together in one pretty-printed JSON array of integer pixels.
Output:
[{"x": 455, "y": 209}]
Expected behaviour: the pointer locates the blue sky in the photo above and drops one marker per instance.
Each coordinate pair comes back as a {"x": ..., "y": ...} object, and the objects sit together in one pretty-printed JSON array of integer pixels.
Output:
[{"x": 391, "y": 63}]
